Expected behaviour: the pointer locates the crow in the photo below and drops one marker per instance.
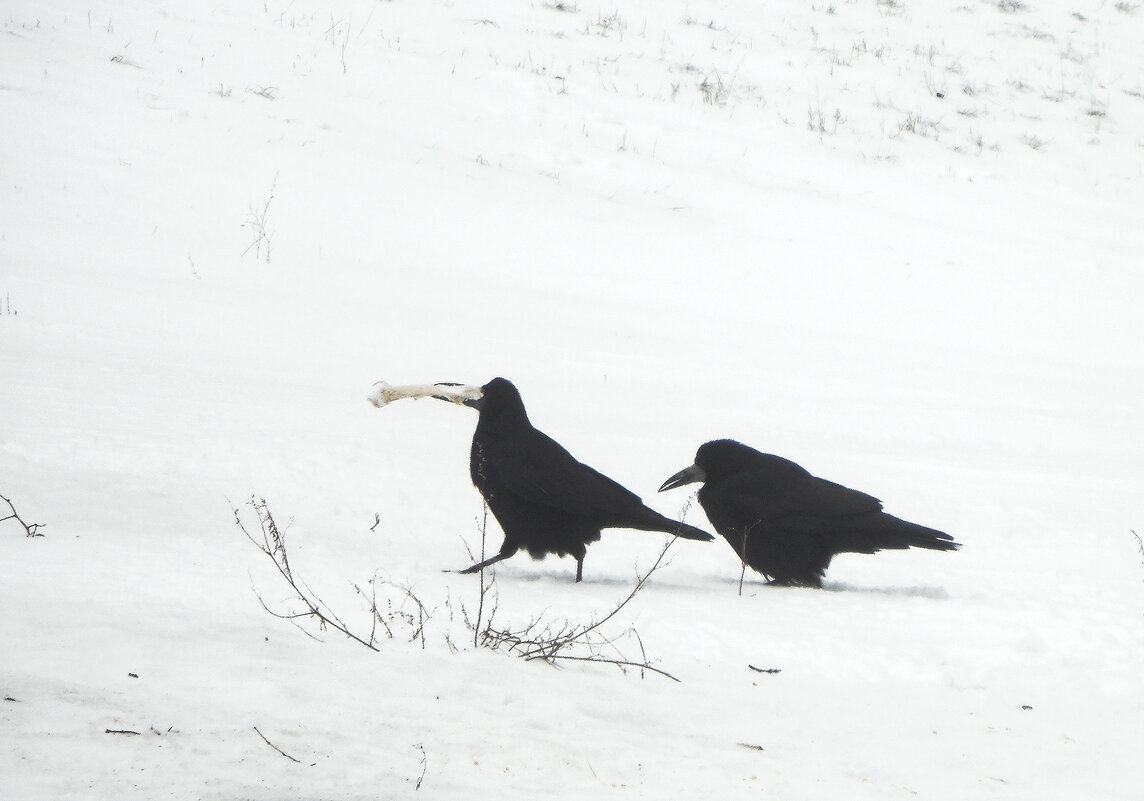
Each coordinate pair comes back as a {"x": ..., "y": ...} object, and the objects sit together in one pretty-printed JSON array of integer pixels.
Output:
[
  {"x": 788, "y": 524},
  {"x": 544, "y": 499}
]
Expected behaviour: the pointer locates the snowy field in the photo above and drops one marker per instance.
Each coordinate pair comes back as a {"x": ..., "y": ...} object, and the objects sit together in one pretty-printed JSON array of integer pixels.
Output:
[{"x": 899, "y": 242}]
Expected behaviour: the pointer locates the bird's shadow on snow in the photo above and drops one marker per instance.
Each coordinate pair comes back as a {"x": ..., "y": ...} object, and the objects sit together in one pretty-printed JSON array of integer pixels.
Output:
[
  {"x": 920, "y": 591},
  {"x": 537, "y": 577},
  {"x": 562, "y": 577}
]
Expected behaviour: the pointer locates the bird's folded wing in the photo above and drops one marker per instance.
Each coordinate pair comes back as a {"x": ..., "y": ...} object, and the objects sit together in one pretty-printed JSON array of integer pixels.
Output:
[
  {"x": 808, "y": 499},
  {"x": 542, "y": 471}
]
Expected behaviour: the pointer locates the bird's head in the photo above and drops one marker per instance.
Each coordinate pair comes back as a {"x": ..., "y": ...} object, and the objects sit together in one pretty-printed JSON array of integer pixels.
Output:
[
  {"x": 714, "y": 460},
  {"x": 498, "y": 399}
]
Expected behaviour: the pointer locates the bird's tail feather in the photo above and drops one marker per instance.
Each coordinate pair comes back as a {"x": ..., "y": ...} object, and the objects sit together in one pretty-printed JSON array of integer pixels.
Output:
[
  {"x": 690, "y": 532},
  {"x": 654, "y": 521},
  {"x": 892, "y": 533}
]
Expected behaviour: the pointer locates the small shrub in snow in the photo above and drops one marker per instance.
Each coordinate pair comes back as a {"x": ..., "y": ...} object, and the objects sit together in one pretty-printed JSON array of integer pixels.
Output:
[
  {"x": 566, "y": 640},
  {"x": 714, "y": 91},
  {"x": 256, "y": 222},
  {"x": 1010, "y": 6},
  {"x": 920, "y": 125},
  {"x": 408, "y": 613},
  {"x": 399, "y": 611}
]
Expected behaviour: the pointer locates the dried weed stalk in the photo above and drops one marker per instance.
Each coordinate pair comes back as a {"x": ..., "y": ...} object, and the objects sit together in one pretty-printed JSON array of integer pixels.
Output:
[
  {"x": 566, "y": 640},
  {"x": 30, "y": 529}
]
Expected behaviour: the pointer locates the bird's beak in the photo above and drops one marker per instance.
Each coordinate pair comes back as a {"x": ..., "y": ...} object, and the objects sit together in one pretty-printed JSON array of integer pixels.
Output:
[{"x": 688, "y": 475}]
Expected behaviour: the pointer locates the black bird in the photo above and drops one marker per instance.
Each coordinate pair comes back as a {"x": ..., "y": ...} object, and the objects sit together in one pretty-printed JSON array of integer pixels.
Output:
[
  {"x": 788, "y": 524},
  {"x": 545, "y": 501}
]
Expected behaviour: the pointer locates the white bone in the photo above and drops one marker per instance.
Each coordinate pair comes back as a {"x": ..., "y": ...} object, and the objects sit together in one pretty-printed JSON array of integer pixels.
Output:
[{"x": 384, "y": 393}]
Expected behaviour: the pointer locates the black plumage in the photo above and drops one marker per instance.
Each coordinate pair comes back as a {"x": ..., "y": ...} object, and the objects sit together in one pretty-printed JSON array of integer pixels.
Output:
[
  {"x": 788, "y": 524},
  {"x": 544, "y": 499}
]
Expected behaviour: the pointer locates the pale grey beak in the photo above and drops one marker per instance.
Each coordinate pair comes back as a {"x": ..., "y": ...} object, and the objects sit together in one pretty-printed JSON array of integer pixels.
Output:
[{"x": 688, "y": 475}]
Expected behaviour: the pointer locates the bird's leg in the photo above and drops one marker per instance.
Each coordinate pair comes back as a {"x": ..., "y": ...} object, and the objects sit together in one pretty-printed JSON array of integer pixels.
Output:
[
  {"x": 492, "y": 560},
  {"x": 579, "y": 568}
]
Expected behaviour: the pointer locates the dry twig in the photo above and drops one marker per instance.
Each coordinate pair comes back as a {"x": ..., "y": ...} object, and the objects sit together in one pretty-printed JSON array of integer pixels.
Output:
[
  {"x": 577, "y": 642},
  {"x": 1139, "y": 545},
  {"x": 547, "y": 641},
  {"x": 30, "y": 529},
  {"x": 279, "y": 750},
  {"x": 424, "y": 765},
  {"x": 272, "y": 543}
]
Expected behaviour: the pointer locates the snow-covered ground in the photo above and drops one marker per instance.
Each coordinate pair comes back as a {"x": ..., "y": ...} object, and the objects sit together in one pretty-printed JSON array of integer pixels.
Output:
[{"x": 898, "y": 242}]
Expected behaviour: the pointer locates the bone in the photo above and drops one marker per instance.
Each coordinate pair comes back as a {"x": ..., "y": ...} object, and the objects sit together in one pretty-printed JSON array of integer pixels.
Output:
[{"x": 384, "y": 393}]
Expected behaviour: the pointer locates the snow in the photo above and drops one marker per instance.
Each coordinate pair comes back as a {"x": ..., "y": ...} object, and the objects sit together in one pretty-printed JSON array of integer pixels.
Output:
[{"x": 666, "y": 222}]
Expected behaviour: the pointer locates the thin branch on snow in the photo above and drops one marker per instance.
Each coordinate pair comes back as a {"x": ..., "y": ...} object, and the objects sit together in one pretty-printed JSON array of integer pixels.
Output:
[
  {"x": 484, "y": 586},
  {"x": 414, "y": 621},
  {"x": 577, "y": 642},
  {"x": 272, "y": 543},
  {"x": 30, "y": 529},
  {"x": 271, "y": 540},
  {"x": 1139, "y": 545},
  {"x": 765, "y": 670},
  {"x": 424, "y": 765},
  {"x": 279, "y": 750},
  {"x": 546, "y": 641}
]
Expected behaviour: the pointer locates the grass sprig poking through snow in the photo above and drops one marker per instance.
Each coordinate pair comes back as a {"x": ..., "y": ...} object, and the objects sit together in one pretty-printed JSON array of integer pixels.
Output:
[{"x": 256, "y": 222}]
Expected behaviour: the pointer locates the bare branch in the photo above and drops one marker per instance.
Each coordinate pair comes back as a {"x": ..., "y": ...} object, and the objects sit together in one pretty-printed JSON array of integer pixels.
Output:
[
  {"x": 30, "y": 529},
  {"x": 619, "y": 662},
  {"x": 273, "y": 544},
  {"x": 279, "y": 750},
  {"x": 414, "y": 621},
  {"x": 424, "y": 765},
  {"x": 743, "y": 557},
  {"x": 765, "y": 670},
  {"x": 484, "y": 586},
  {"x": 1139, "y": 545},
  {"x": 404, "y": 611},
  {"x": 576, "y": 642}
]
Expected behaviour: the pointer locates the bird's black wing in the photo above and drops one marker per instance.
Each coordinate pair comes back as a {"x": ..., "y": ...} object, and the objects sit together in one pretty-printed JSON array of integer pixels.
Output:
[
  {"x": 821, "y": 498},
  {"x": 537, "y": 468},
  {"x": 841, "y": 519},
  {"x": 796, "y": 502}
]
